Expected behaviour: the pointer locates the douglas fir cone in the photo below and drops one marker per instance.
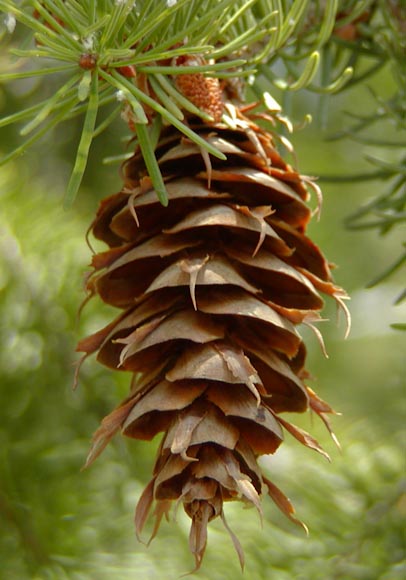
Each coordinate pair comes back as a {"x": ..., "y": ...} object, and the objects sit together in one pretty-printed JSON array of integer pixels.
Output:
[{"x": 211, "y": 290}]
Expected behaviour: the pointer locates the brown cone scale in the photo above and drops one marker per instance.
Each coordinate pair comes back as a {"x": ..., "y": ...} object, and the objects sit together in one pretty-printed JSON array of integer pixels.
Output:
[{"x": 212, "y": 289}]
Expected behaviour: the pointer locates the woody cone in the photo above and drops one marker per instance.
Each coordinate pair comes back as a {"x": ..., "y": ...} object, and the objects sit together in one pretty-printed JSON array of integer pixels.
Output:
[{"x": 211, "y": 290}]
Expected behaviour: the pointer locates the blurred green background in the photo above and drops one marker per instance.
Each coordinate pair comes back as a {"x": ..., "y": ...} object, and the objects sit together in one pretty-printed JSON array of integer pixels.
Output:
[{"x": 59, "y": 522}]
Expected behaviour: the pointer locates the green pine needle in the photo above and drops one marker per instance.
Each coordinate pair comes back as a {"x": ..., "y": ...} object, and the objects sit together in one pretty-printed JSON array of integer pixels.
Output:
[
  {"x": 151, "y": 163},
  {"x": 51, "y": 104},
  {"x": 84, "y": 144}
]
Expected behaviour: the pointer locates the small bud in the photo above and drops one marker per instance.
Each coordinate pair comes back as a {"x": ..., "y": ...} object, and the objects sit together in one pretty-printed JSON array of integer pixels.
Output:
[
  {"x": 88, "y": 43},
  {"x": 88, "y": 61},
  {"x": 10, "y": 22},
  {"x": 120, "y": 96}
]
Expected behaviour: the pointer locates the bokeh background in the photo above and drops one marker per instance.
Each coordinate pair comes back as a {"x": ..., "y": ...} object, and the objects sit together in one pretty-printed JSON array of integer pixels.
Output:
[{"x": 58, "y": 522}]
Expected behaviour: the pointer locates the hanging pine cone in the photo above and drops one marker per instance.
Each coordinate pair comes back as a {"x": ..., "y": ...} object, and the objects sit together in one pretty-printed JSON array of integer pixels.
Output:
[{"x": 211, "y": 289}]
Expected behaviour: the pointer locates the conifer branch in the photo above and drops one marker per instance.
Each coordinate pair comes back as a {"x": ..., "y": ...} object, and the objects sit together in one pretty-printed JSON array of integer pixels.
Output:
[{"x": 150, "y": 38}]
